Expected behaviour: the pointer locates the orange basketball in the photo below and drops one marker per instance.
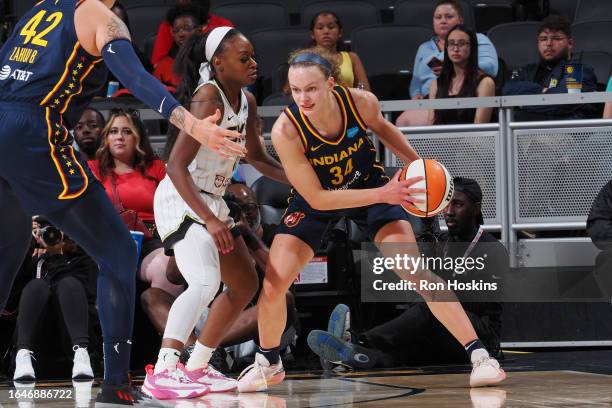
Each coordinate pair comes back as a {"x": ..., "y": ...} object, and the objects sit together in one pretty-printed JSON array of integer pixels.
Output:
[{"x": 436, "y": 180}]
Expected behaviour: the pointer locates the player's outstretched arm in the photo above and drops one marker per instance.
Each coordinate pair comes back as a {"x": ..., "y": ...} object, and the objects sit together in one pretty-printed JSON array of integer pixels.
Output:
[{"x": 101, "y": 32}]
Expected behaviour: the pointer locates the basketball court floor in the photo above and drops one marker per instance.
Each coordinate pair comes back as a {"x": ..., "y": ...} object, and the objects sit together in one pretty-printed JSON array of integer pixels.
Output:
[{"x": 544, "y": 379}]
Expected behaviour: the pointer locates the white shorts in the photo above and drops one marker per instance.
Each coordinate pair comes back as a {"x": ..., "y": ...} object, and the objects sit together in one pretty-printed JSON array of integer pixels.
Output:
[{"x": 171, "y": 211}]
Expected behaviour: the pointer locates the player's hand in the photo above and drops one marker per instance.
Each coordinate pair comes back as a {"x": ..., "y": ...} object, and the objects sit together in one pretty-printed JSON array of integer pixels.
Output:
[
  {"x": 398, "y": 191},
  {"x": 221, "y": 234},
  {"x": 219, "y": 140}
]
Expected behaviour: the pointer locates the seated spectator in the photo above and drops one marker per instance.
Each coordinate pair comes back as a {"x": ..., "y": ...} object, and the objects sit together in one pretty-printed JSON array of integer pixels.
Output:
[
  {"x": 60, "y": 275},
  {"x": 121, "y": 12},
  {"x": 461, "y": 78},
  {"x": 185, "y": 21},
  {"x": 130, "y": 172},
  {"x": 415, "y": 337},
  {"x": 164, "y": 39},
  {"x": 326, "y": 32},
  {"x": 430, "y": 56},
  {"x": 87, "y": 133},
  {"x": 555, "y": 45},
  {"x": 608, "y": 107},
  {"x": 599, "y": 228}
]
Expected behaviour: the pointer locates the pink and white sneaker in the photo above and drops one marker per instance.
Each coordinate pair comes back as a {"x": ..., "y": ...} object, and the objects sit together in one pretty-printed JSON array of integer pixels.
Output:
[
  {"x": 171, "y": 385},
  {"x": 260, "y": 375},
  {"x": 208, "y": 376}
]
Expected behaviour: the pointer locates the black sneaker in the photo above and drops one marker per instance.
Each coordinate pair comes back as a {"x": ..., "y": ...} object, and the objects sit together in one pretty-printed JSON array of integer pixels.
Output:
[
  {"x": 340, "y": 352},
  {"x": 186, "y": 353},
  {"x": 219, "y": 361},
  {"x": 112, "y": 395}
]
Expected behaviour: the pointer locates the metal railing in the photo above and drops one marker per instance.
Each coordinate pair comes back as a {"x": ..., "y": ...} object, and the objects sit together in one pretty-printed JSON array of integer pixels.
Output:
[{"x": 534, "y": 175}]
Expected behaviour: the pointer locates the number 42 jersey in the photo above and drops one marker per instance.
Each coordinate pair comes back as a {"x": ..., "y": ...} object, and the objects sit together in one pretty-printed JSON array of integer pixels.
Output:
[{"x": 43, "y": 63}]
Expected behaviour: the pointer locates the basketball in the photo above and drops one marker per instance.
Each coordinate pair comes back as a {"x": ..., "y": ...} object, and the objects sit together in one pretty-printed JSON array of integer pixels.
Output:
[{"x": 436, "y": 180}]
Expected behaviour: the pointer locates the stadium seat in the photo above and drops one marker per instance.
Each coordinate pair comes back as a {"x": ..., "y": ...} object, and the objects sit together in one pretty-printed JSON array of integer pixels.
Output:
[
  {"x": 250, "y": 16},
  {"x": 516, "y": 43},
  {"x": 276, "y": 99},
  {"x": 592, "y": 36},
  {"x": 388, "y": 49},
  {"x": 489, "y": 13},
  {"x": 590, "y": 10},
  {"x": 148, "y": 44},
  {"x": 272, "y": 199},
  {"x": 145, "y": 20},
  {"x": 272, "y": 48},
  {"x": 565, "y": 8},
  {"x": 389, "y": 76},
  {"x": 420, "y": 12},
  {"x": 352, "y": 13},
  {"x": 601, "y": 63}
]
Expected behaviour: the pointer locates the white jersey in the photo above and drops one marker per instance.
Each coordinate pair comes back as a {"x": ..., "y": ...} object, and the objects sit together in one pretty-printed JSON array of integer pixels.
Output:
[{"x": 210, "y": 172}]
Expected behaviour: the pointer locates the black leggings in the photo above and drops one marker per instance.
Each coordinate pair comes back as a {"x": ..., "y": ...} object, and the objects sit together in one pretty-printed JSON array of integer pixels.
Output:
[
  {"x": 35, "y": 300},
  {"x": 92, "y": 222}
]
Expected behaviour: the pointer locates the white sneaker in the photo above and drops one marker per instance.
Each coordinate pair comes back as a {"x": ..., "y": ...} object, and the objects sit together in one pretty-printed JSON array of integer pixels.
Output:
[
  {"x": 261, "y": 374},
  {"x": 81, "y": 368},
  {"x": 485, "y": 370},
  {"x": 209, "y": 376},
  {"x": 23, "y": 366}
]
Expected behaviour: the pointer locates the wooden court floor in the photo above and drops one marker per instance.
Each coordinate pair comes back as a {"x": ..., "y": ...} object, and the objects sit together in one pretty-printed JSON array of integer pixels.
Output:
[{"x": 392, "y": 388}]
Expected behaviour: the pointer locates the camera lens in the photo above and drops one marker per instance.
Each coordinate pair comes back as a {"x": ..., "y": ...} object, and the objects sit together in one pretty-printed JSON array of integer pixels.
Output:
[{"x": 50, "y": 235}]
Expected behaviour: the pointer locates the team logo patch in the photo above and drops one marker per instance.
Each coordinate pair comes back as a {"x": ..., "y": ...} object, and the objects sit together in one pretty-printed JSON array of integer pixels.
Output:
[
  {"x": 294, "y": 218},
  {"x": 221, "y": 181},
  {"x": 352, "y": 132},
  {"x": 5, "y": 72}
]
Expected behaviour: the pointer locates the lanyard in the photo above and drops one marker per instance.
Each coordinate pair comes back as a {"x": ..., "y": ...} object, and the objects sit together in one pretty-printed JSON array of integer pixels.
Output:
[
  {"x": 39, "y": 266},
  {"x": 470, "y": 247}
]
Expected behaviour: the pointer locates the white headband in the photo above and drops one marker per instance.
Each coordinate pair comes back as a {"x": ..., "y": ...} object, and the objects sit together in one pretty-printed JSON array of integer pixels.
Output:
[{"x": 212, "y": 43}]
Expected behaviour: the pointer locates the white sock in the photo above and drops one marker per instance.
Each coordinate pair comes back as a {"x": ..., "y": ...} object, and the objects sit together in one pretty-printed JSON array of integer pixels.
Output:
[
  {"x": 166, "y": 360},
  {"x": 478, "y": 354},
  {"x": 199, "y": 357}
]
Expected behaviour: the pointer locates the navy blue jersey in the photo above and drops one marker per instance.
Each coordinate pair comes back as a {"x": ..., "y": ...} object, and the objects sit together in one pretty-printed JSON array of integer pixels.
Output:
[
  {"x": 42, "y": 62},
  {"x": 349, "y": 160}
]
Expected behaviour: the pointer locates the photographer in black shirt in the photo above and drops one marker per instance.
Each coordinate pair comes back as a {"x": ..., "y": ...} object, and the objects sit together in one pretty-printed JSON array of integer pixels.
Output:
[{"x": 61, "y": 273}]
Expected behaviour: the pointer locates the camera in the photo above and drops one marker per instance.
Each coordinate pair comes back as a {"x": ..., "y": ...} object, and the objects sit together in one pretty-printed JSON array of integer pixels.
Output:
[{"x": 48, "y": 233}]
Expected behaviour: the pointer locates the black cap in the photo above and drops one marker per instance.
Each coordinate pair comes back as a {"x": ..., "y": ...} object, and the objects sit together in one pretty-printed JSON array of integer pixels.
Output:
[{"x": 472, "y": 190}]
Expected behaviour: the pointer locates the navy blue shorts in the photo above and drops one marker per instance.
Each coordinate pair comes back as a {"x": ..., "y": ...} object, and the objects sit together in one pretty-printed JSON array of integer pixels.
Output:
[
  {"x": 37, "y": 159},
  {"x": 310, "y": 225}
]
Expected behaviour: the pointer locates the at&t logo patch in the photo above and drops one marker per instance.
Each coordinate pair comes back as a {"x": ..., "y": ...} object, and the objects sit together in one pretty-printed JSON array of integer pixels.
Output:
[{"x": 18, "y": 74}]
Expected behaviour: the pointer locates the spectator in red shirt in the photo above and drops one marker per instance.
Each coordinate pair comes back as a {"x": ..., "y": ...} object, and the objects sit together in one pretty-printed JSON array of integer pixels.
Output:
[
  {"x": 126, "y": 158},
  {"x": 185, "y": 21},
  {"x": 164, "y": 40}
]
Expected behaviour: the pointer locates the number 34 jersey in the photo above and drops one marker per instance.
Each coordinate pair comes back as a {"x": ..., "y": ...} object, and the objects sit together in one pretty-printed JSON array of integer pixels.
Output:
[
  {"x": 349, "y": 160},
  {"x": 42, "y": 61}
]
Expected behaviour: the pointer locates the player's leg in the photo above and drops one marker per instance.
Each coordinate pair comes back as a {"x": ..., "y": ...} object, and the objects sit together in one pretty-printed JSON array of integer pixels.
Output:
[
  {"x": 391, "y": 239},
  {"x": 197, "y": 258},
  {"x": 15, "y": 238},
  {"x": 288, "y": 256},
  {"x": 92, "y": 222},
  {"x": 239, "y": 275}
]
